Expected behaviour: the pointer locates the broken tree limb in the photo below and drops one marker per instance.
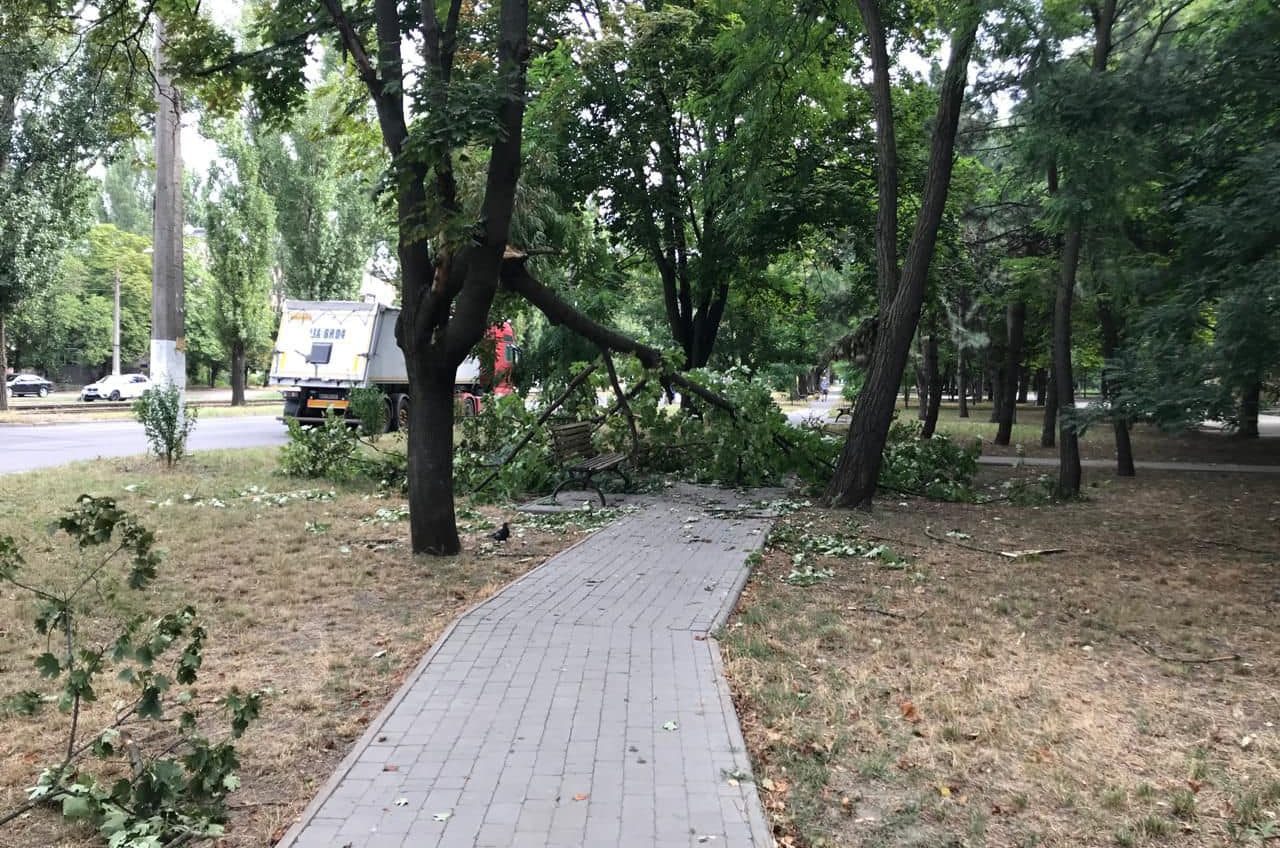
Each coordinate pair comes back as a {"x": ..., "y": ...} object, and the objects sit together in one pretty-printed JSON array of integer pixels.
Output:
[
  {"x": 622, "y": 400},
  {"x": 516, "y": 278},
  {"x": 577, "y": 381},
  {"x": 1188, "y": 660}
]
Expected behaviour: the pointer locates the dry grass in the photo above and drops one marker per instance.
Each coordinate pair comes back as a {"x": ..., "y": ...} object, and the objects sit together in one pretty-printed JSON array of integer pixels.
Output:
[
  {"x": 329, "y": 621},
  {"x": 967, "y": 699}
]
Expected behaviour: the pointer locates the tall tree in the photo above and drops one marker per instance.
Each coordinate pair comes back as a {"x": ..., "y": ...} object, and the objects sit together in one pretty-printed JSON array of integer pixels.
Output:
[
  {"x": 323, "y": 197},
  {"x": 51, "y": 118},
  {"x": 241, "y": 233},
  {"x": 901, "y": 289}
]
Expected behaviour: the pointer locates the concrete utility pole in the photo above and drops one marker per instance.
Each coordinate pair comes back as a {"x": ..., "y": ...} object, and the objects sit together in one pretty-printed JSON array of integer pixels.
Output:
[
  {"x": 115, "y": 334},
  {"x": 168, "y": 340}
]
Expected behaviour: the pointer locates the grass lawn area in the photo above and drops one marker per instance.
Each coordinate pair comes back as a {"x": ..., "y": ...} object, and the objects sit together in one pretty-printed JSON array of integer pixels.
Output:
[
  {"x": 317, "y": 599},
  {"x": 1098, "y": 442},
  {"x": 1124, "y": 692}
]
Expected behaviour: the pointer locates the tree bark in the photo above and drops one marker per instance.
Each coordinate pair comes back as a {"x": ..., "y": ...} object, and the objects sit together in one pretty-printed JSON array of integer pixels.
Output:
[
  {"x": 1110, "y": 327},
  {"x": 1015, "y": 321},
  {"x": 1068, "y": 442},
  {"x": 1041, "y": 385},
  {"x": 962, "y": 382},
  {"x": 854, "y": 481},
  {"x": 1024, "y": 384},
  {"x": 1250, "y": 406},
  {"x": 432, "y": 522},
  {"x": 237, "y": 373},
  {"x": 1048, "y": 430},
  {"x": 934, "y": 384}
]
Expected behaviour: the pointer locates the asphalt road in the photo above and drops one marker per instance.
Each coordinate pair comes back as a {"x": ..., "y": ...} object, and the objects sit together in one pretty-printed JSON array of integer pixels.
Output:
[{"x": 28, "y": 447}]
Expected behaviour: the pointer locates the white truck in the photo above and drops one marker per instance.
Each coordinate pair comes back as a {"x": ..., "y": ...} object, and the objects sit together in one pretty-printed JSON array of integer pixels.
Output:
[{"x": 327, "y": 348}]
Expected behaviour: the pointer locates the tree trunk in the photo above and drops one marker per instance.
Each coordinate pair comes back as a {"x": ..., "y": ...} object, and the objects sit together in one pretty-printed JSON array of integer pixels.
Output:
[
  {"x": 1110, "y": 344},
  {"x": 1048, "y": 430},
  {"x": 1024, "y": 384},
  {"x": 1015, "y": 321},
  {"x": 854, "y": 482},
  {"x": 1041, "y": 385},
  {"x": 934, "y": 385},
  {"x": 432, "y": 523},
  {"x": 1250, "y": 405},
  {"x": 962, "y": 382},
  {"x": 237, "y": 373},
  {"x": 4, "y": 365},
  {"x": 1068, "y": 442}
]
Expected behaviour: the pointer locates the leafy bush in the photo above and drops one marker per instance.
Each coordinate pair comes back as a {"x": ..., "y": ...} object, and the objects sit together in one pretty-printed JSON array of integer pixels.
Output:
[
  {"x": 369, "y": 406},
  {"x": 166, "y": 421},
  {"x": 176, "y": 780},
  {"x": 936, "y": 467},
  {"x": 324, "y": 451}
]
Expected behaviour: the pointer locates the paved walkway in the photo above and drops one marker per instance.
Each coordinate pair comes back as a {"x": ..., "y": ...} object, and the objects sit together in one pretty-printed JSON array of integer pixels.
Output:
[{"x": 584, "y": 705}]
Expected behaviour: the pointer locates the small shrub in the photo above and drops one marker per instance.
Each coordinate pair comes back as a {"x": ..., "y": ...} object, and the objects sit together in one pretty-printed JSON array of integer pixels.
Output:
[
  {"x": 369, "y": 406},
  {"x": 324, "y": 451},
  {"x": 936, "y": 467},
  {"x": 166, "y": 421}
]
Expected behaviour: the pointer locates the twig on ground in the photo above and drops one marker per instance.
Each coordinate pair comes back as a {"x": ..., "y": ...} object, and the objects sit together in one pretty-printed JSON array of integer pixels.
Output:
[
  {"x": 878, "y": 611},
  {"x": 1190, "y": 660},
  {"x": 947, "y": 540},
  {"x": 1236, "y": 547}
]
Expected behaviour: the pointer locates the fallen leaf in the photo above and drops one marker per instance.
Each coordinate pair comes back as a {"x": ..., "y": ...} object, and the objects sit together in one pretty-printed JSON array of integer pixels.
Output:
[
  {"x": 909, "y": 711},
  {"x": 402, "y": 802},
  {"x": 670, "y": 725},
  {"x": 390, "y": 767},
  {"x": 440, "y": 817},
  {"x": 944, "y": 790},
  {"x": 581, "y": 796},
  {"x": 767, "y": 785}
]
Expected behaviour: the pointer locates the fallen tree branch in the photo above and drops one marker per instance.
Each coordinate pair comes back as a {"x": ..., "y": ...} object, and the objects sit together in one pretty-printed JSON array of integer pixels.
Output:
[
  {"x": 542, "y": 419},
  {"x": 1188, "y": 660},
  {"x": 878, "y": 611},
  {"x": 622, "y": 400},
  {"x": 1236, "y": 547},
  {"x": 948, "y": 540}
]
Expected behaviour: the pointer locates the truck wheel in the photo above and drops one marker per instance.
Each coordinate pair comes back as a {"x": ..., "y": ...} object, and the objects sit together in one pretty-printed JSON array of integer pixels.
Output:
[
  {"x": 392, "y": 422},
  {"x": 402, "y": 413}
]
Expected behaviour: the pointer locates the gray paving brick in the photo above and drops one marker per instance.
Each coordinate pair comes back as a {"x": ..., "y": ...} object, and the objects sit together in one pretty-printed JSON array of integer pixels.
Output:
[{"x": 558, "y": 686}]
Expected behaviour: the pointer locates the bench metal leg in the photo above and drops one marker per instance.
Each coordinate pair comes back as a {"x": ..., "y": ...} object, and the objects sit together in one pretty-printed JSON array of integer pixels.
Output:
[{"x": 586, "y": 481}]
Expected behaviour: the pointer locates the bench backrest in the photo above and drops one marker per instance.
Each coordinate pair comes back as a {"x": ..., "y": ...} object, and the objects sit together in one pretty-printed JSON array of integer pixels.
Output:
[{"x": 572, "y": 441}]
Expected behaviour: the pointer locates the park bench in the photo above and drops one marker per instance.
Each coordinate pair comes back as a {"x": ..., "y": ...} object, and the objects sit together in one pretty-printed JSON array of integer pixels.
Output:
[{"x": 573, "y": 450}]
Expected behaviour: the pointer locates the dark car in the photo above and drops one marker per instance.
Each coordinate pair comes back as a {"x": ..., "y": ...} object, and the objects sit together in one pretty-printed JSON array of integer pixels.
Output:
[{"x": 28, "y": 384}]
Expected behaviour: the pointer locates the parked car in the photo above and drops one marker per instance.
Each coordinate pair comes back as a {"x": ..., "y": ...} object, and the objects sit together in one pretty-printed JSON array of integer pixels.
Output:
[
  {"x": 28, "y": 384},
  {"x": 116, "y": 387}
]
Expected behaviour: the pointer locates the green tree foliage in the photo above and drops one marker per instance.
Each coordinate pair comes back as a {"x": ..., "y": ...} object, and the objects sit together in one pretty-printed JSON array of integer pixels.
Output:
[
  {"x": 322, "y": 179},
  {"x": 127, "y": 187},
  {"x": 712, "y": 157},
  {"x": 68, "y": 320},
  {"x": 241, "y": 229}
]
